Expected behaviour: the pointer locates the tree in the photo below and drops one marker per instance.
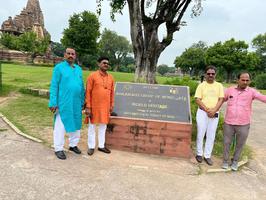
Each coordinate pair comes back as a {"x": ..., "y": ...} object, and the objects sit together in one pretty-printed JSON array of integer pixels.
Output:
[
  {"x": 144, "y": 27},
  {"x": 57, "y": 49},
  {"x": 162, "y": 69},
  {"x": 259, "y": 43},
  {"x": 231, "y": 56},
  {"x": 128, "y": 60},
  {"x": 9, "y": 41},
  {"x": 114, "y": 46},
  {"x": 192, "y": 60},
  {"x": 82, "y": 34},
  {"x": 30, "y": 44},
  {"x": 27, "y": 43}
]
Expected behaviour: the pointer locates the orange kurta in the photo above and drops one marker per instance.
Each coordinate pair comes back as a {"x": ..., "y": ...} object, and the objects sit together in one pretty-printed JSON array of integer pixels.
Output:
[{"x": 100, "y": 96}]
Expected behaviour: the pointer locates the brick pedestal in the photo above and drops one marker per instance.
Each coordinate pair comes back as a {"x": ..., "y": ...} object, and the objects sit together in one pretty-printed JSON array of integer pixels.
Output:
[{"x": 152, "y": 137}]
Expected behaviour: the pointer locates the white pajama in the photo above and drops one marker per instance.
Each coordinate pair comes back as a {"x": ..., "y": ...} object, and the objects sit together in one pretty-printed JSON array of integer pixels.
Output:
[
  {"x": 59, "y": 135},
  {"x": 101, "y": 135},
  {"x": 205, "y": 125}
]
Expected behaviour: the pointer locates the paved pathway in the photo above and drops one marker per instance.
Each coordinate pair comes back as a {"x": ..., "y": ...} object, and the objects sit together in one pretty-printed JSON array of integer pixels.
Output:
[{"x": 31, "y": 171}]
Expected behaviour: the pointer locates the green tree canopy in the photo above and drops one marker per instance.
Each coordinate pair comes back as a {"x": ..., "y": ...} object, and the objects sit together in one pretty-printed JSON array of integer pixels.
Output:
[
  {"x": 192, "y": 60},
  {"x": 9, "y": 41},
  {"x": 29, "y": 43},
  {"x": 162, "y": 69},
  {"x": 231, "y": 56},
  {"x": 82, "y": 34},
  {"x": 57, "y": 49},
  {"x": 114, "y": 46},
  {"x": 26, "y": 42},
  {"x": 259, "y": 43}
]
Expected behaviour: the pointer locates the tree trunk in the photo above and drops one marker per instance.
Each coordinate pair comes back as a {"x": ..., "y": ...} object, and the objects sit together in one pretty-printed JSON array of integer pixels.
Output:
[
  {"x": 146, "y": 46},
  {"x": 229, "y": 76},
  {"x": 144, "y": 33}
]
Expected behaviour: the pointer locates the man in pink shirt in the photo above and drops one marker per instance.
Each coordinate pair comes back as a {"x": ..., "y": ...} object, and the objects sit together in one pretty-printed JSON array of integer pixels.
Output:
[{"x": 237, "y": 118}]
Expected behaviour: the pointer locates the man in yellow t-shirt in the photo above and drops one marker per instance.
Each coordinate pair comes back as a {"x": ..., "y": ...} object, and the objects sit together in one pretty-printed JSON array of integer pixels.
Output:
[{"x": 209, "y": 97}]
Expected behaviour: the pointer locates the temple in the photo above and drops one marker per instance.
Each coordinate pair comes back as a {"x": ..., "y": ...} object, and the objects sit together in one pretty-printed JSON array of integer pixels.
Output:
[{"x": 29, "y": 19}]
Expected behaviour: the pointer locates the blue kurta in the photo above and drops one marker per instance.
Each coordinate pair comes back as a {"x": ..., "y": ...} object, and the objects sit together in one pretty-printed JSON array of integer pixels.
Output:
[{"x": 67, "y": 93}]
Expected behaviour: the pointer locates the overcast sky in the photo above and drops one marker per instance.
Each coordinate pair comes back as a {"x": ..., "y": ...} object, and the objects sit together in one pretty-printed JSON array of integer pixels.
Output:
[{"x": 219, "y": 21}]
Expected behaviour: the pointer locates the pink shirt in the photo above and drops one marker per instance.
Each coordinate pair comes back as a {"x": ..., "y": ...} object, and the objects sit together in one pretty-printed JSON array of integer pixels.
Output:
[{"x": 238, "y": 110}]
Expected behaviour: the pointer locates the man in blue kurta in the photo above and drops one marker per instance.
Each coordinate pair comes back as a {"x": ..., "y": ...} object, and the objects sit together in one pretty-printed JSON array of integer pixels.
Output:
[{"x": 66, "y": 101}]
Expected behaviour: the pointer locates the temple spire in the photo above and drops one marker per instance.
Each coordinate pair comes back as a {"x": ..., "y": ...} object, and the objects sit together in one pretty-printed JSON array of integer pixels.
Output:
[{"x": 30, "y": 19}]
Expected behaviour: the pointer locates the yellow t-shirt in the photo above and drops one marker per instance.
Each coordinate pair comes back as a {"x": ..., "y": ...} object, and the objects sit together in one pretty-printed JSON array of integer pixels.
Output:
[{"x": 209, "y": 93}]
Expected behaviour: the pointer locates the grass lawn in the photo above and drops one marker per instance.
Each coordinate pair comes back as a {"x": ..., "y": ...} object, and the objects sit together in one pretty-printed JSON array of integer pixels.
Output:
[
  {"x": 31, "y": 114},
  {"x": 19, "y": 76}
]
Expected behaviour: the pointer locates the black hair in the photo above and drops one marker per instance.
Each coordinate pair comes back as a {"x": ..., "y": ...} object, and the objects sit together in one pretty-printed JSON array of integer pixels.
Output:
[
  {"x": 243, "y": 72},
  {"x": 102, "y": 58},
  {"x": 210, "y": 67},
  {"x": 70, "y": 48}
]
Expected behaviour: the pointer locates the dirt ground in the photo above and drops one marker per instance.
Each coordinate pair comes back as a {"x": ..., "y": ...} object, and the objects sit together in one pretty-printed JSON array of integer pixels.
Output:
[{"x": 30, "y": 170}]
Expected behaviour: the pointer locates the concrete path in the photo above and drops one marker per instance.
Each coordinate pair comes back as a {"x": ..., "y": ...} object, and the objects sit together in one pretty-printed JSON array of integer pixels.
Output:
[{"x": 30, "y": 170}]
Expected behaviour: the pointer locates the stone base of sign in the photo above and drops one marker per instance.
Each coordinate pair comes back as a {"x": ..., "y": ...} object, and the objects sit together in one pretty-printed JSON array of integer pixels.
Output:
[{"x": 151, "y": 137}]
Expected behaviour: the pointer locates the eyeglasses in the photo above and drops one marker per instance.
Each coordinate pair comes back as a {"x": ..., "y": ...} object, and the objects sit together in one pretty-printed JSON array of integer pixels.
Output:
[
  {"x": 68, "y": 53},
  {"x": 210, "y": 74}
]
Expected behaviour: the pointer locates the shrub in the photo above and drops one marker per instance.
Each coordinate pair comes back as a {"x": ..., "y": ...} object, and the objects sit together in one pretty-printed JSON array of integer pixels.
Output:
[
  {"x": 260, "y": 81},
  {"x": 185, "y": 81}
]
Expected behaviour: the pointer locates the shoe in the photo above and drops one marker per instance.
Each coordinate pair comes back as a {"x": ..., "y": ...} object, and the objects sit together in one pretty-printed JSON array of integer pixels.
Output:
[
  {"x": 90, "y": 152},
  {"x": 75, "y": 149},
  {"x": 225, "y": 165},
  {"x": 105, "y": 150},
  {"x": 60, "y": 154},
  {"x": 234, "y": 166},
  {"x": 208, "y": 161},
  {"x": 199, "y": 158}
]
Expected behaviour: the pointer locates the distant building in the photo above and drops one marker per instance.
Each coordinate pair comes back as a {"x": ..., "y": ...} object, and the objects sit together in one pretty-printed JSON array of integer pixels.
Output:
[{"x": 29, "y": 19}]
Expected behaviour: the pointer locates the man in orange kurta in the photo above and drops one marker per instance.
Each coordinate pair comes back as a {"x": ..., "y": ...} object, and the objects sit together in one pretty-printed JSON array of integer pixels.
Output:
[{"x": 99, "y": 104}]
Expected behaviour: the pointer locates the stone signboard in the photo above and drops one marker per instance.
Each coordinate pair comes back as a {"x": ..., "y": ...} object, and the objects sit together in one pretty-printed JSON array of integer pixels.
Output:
[
  {"x": 153, "y": 119},
  {"x": 154, "y": 102}
]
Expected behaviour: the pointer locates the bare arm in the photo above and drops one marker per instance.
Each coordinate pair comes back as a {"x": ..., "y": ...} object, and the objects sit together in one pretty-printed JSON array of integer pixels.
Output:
[
  {"x": 212, "y": 111},
  {"x": 201, "y": 104}
]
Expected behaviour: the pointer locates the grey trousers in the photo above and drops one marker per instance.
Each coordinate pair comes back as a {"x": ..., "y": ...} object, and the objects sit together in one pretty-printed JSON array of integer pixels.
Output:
[{"x": 241, "y": 133}]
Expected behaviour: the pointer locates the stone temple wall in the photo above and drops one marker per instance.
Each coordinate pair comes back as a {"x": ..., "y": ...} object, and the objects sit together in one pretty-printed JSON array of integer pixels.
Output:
[{"x": 17, "y": 56}]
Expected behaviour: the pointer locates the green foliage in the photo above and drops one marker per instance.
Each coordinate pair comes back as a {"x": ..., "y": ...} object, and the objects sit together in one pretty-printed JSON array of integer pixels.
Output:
[
  {"x": 128, "y": 61},
  {"x": 57, "y": 49},
  {"x": 89, "y": 61},
  {"x": 82, "y": 34},
  {"x": 185, "y": 81},
  {"x": 192, "y": 60},
  {"x": 115, "y": 47},
  {"x": 144, "y": 26},
  {"x": 129, "y": 68},
  {"x": 259, "y": 43},
  {"x": 116, "y": 7},
  {"x": 231, "y": 56},
  {"x": 162, "y": 69},
  {"x": 260, "y": 81},
  {"x": 9, "y": 41},
  {"x": 26, "y": 42}
]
